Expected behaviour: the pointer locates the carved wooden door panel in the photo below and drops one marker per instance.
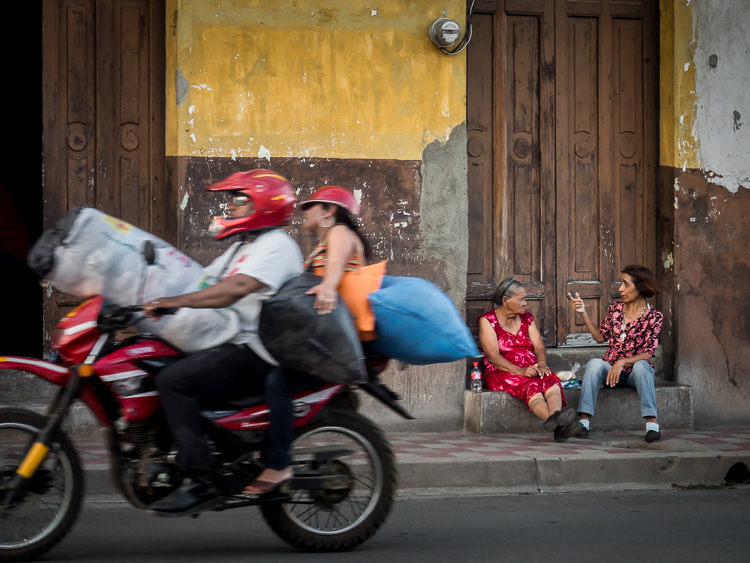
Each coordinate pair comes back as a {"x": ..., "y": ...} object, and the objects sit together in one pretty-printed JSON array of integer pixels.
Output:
[
  {"x": 561, "y": 146},
  {"x": 511, "y": 183},
  {"x": 103, "y": 106},
  {"x": 606, "y": 150}
]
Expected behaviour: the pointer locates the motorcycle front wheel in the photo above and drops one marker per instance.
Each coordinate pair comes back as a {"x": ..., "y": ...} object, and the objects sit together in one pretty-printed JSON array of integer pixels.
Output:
[
  {"x": 339, "y": 519},
  {"x": 50, "y": 506}
]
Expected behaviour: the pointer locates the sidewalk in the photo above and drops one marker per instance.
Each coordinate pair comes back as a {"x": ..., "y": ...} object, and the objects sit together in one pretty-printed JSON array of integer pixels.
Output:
[{"x": 532, "y": 463}]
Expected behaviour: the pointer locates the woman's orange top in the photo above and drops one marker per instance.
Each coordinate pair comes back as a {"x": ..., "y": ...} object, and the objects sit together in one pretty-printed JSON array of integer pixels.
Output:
[{"x": 317, "y": 259}]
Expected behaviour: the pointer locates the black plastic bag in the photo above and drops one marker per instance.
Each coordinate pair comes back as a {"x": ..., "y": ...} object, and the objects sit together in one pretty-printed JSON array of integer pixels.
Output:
[
  {"x": 324, "y": 345},
  {"x": 41, "y": 257}
]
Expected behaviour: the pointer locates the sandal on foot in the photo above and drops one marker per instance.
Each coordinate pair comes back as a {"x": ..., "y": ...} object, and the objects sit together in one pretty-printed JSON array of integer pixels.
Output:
[{"x": 259, "y": 488}]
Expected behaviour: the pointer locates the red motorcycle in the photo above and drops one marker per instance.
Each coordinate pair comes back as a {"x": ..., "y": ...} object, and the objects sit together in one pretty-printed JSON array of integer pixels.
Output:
[{"x": 344, "y": 469}]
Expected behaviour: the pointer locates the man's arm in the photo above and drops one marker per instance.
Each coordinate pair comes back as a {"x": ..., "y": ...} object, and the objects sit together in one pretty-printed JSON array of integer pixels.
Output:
[{"x": 223, "y": 294}]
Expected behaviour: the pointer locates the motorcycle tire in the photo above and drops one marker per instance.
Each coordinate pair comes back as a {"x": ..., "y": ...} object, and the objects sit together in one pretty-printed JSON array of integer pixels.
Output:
[
  {"x": 55, "y": 494},
  {"x": 325, "y": 520}
]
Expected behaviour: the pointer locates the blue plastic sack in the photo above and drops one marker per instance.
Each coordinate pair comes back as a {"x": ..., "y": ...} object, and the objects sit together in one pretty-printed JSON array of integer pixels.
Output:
[{"x": 417, "y": 323}]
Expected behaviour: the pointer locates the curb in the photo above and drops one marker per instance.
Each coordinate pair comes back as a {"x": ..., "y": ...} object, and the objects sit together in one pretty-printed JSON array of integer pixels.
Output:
[{"x": 546, "y": 474}]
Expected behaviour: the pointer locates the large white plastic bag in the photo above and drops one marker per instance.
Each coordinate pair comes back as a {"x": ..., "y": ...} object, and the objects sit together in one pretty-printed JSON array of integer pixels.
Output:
[{"x": 101, "y": 255}]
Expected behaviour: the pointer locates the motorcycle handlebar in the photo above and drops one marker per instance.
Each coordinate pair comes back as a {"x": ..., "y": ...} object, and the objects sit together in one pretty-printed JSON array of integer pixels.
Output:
[{"x": 115, "y": 318}]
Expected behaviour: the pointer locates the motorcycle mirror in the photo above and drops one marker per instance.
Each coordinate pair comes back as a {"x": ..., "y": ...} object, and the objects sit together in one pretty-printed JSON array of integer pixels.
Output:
[{"x": 149, "y": 254}]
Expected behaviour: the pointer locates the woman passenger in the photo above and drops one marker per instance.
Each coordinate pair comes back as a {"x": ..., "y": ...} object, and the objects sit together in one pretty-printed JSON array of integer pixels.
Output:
[{"x": 331, "y": 214}]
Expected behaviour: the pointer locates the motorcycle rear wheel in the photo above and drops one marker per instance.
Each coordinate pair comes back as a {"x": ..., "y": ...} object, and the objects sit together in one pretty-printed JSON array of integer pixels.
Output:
[
  {"x": 51, "y": 505},
  {"x": 336, "y": 520}
]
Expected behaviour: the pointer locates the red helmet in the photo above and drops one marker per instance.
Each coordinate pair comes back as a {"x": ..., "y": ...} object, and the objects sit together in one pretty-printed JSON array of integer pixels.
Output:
[
  {"x": 336, "y": 196},
  {"x": 271, "y": 193}
]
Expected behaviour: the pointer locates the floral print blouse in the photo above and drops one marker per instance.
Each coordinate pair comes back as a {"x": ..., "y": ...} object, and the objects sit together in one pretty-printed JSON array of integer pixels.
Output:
[{"x": 625, "y": 341}]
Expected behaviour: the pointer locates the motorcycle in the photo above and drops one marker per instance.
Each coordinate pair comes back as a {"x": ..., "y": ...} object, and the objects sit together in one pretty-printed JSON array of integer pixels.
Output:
[{"x": 345, "y": 475}]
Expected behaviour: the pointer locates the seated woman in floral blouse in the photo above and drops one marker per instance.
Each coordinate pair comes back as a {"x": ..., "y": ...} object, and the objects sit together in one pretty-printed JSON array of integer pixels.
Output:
[
  {"x": 515, "y": 360},
  {"x": 632, "y": 328}
]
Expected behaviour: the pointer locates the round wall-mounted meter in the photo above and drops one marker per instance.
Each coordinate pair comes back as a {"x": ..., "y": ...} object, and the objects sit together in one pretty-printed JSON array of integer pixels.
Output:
[{"x": 444, "y": 32}]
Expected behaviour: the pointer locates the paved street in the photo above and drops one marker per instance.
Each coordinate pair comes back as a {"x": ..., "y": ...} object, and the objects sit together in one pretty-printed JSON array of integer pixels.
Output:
[{"x": 665, "y": 525}]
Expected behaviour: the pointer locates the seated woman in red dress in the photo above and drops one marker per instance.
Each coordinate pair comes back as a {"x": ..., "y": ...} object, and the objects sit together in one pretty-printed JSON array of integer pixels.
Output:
[{"x": 515, "y": 360}]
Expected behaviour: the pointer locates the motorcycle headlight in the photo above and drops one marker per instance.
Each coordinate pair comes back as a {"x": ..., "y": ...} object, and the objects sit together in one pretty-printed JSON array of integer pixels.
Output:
[{"x": 133, "y": 385}]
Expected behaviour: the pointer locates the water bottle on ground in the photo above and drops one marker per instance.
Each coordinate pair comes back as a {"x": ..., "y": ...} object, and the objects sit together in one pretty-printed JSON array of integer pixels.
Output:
[{"x": 476, "y": 378}]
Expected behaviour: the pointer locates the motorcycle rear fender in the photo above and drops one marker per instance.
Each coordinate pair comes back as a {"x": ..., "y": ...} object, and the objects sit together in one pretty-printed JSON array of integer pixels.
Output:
[{"x": 57, "y": 375}]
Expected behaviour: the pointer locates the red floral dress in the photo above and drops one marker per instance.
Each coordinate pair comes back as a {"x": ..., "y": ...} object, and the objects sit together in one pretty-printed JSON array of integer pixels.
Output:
[
  {"x": 517, "y": 349},
  {"x": 627, "y": 340}
]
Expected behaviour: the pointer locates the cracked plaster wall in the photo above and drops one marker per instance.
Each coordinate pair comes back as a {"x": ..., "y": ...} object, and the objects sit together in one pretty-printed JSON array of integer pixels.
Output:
[
  {"x": 343, "y": 92},
  {"x": 705, "y": 80}
]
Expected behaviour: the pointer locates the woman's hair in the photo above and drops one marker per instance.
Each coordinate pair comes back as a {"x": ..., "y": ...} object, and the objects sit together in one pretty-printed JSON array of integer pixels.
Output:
[
  {"x": 504, "y": 289},
  {"x": 644, "y": 281},
  {"x": 344, "y": 217}
]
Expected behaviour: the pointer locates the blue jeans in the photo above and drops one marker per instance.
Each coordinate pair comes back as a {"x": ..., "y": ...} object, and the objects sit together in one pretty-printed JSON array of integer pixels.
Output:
[{"x": 641, "y": 378}]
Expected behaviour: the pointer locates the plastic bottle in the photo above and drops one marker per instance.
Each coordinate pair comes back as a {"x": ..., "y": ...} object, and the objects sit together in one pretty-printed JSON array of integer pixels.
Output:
[{"x": 476, "y": 378}]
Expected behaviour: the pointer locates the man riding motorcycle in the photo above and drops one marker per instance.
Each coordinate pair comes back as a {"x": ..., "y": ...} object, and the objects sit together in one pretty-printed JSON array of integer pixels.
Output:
[{"x": 249, "y": 272}]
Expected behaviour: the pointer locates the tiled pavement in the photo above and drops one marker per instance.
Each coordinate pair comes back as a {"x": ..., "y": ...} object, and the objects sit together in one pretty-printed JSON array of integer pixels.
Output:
[{"x": 531, "y": 462}]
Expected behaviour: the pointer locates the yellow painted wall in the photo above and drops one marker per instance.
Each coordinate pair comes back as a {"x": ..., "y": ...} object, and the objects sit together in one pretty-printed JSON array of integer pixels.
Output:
[
  {"x": 310, "y": 78},
  {"x": 677, "y": 84}
]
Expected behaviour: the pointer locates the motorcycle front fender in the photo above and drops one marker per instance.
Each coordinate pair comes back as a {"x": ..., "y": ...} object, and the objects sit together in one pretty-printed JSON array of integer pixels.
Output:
[{"x": 55, "y": 374}]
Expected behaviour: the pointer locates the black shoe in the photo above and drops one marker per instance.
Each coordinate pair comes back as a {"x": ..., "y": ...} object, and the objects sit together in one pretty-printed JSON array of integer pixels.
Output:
[
  {"x": 562, "y": 433},
  {"x": 653, "y": 436},
  {"x": 584, "y": 433},
  {"x": 191, "y": 497},
  {"x": 562, "y": 417}
]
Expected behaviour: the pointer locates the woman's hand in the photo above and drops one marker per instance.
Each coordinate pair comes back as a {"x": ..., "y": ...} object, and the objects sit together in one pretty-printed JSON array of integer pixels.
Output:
[
  {"x": 577, "y": 303},
  {"x": 531, "y": 371},
  {"x": 613, "y": 375},
  {"x": 326, "y": 298},
  {"x": 543, "y": 369}
]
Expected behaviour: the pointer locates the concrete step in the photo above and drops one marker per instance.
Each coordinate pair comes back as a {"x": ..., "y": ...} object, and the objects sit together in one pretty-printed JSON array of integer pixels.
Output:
[{"x": 490, "y": 412}]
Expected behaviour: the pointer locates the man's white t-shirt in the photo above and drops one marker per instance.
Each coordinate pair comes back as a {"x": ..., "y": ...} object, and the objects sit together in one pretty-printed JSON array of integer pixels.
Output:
[{"x": 273, "y": 258}]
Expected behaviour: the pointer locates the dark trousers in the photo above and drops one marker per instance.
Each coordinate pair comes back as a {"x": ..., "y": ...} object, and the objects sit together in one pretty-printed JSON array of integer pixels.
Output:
[
  {"x": 281, "y": 385},
  {"x": 222, "y": 373}
]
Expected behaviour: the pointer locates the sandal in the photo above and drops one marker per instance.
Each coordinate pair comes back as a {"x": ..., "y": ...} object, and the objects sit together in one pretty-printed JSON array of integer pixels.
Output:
[{"x": 260, "y": 488}]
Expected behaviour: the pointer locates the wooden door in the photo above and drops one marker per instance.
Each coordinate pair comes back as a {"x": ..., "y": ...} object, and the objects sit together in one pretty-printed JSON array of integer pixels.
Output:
[
  {"x": 561, "y": 123},
  {"x": 103, "y": 122}
]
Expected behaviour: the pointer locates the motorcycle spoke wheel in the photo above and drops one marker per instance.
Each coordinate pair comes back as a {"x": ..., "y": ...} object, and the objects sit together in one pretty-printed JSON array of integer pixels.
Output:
[
  {"x": 52, "y": 501},
  {"x": 349, "y": 512}
]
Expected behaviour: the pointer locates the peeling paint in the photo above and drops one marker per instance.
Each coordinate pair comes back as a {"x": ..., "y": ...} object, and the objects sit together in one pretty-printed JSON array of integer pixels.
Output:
[
  {"x": 668, "y": 261},
  {"x": 180, "y": 86},
  {"x": 263, "y": 152},
  {"x": 184, "y": 203},
  {"x": 721, "y": 27}
]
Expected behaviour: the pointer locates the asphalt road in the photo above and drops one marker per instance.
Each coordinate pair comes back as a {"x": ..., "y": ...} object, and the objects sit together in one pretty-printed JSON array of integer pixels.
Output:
[{"x": 644, "y": 526}]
